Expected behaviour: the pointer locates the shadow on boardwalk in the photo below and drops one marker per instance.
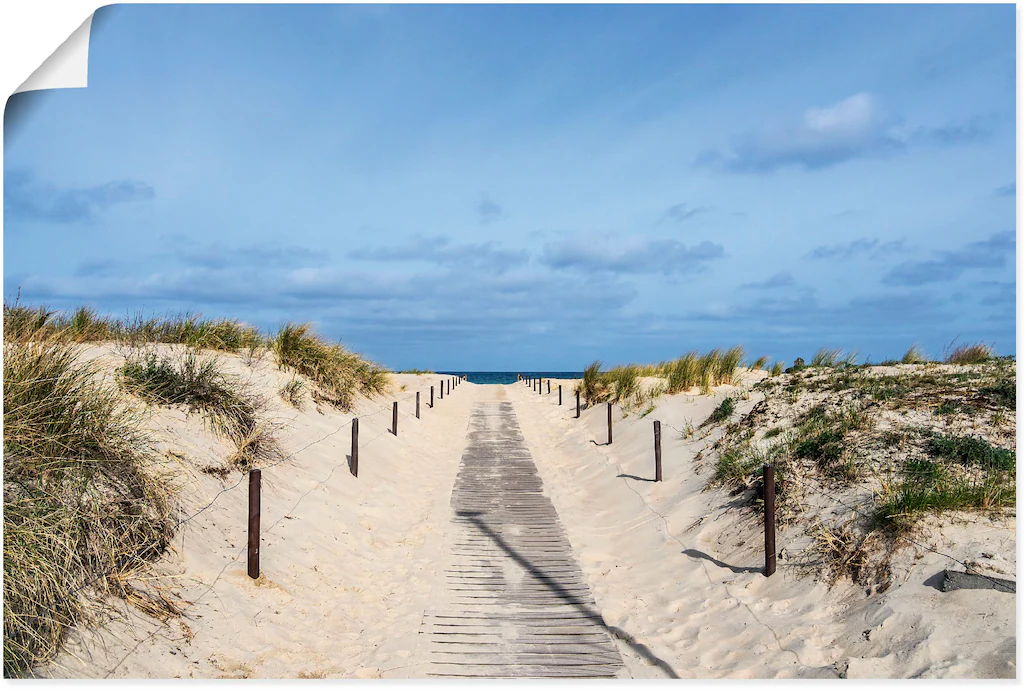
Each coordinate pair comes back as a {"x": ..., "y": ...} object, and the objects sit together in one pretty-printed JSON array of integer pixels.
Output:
[{"x": 567, "y": 597}]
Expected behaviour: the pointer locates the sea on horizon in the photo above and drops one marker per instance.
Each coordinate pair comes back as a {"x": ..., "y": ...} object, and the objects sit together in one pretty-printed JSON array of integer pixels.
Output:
[{"x": 511, "y": 377}]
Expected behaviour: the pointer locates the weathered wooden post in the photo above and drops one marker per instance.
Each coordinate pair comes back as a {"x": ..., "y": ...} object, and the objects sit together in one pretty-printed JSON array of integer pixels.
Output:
[
  {"x": 577, "y": 403},
  {"x": 442, "y": 390},
  {"x": 609, "y": 422},
  {"x": 769, "y": 519},
  {"x": 355, "y": 447},
  {"x": 657, "y": 451},
  {"x": 417, "y": 405},
  {"x": 549, "y": 386},
  {"x": 559, "y": 394},
  {"x": 431, "y": 396},
  {"x": 394, "y": 418},
  {"x": 254, "y": 523}
]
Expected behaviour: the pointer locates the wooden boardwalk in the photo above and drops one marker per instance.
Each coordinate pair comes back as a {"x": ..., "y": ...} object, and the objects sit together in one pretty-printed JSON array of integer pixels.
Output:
[{"x": 517, "y": 604}]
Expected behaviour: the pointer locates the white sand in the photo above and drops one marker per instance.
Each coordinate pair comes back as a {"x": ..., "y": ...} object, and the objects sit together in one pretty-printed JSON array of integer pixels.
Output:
[
  {"x": 351, "y": 564},
  {"x": 678, "y": 568}
]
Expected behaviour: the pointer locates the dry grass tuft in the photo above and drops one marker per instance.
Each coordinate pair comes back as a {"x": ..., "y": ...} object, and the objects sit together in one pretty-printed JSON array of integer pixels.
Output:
[
  {"x": 338, "y": 373},
  {"x": 970, "y": 354},
  {"x": 199, "y": 382},
  {"x": 81, "y": 498}
]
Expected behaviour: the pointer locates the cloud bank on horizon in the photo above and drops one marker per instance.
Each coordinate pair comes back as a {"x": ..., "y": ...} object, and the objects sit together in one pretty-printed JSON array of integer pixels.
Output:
[{"x": 502, "y": 187}]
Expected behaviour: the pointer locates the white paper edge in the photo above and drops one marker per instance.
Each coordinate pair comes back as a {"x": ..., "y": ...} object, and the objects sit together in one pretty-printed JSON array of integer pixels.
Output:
[{"x": 67, "y": 67}]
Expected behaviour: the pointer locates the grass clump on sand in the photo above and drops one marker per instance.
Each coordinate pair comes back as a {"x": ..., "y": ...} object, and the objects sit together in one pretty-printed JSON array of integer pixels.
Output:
[
  {"x": 199, "y": 382},
  {"x": 914, "y": 356},
  {"x": 722, "y": 412},
  {"x": 970, "y": 354},
  {"x": 623, "y": 384},
  {"x": 82, "y": 503},
  {"x": 834, "y": 357},
  {"x": 929, "y": 488},
  {"x": 291, "y": 392},
  {"x": 338, "y": 373}
]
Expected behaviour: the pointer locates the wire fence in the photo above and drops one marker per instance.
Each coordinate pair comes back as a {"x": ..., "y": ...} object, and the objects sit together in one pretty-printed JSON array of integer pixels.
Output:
[
  {"x": 241, "y": 479},
  {"x": 689, "y": 430}
]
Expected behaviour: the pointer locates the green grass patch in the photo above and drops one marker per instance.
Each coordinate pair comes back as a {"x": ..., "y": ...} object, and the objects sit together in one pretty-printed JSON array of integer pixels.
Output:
[
  {"x": 723, "y": 411},
  {"x": 972, "y": 451}
]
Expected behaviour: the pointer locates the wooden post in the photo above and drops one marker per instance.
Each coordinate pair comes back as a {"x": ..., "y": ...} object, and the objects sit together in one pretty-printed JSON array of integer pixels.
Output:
[
  {"x": 559, "y": 394},
  {"x": 657, "y": 451},
  {"x": 431, "y": 396},
  {"x": 355, "y": 447},
  {"x": 577, "y": 403},
  {"x": 254, "y": 523},
  {"x": 549, "y": 386},
  {"x": 442, "y": 389},
  {"x": 609, "y": 422},
  {"x": 394, "y": 418},
  {"x": 417, "y": 405},
  {"x": 769, "y": 519}
]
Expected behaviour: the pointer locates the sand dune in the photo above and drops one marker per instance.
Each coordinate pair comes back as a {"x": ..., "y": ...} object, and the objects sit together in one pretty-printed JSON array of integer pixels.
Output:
[{"x": 350, "y": 565}]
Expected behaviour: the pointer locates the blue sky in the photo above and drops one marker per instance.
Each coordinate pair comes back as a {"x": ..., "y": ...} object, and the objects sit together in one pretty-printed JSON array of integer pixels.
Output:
[{"x": 513, "y": 187}]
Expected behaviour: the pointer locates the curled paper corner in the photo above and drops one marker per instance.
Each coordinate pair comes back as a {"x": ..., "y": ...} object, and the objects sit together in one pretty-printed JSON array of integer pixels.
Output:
[{"x": 67, "y": 67}]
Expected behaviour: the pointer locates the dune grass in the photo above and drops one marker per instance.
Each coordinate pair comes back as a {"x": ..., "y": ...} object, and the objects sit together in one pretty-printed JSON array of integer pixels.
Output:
[
  {"x": 86, "y": 325},
  {"x": 975, "y": 354},
  {"x": 337, "y": 372},
  {"x": 200, "y": 382},
  {"x": 914, "y": 356},
  {"x": 622, "y": 384},
  {"x": 82, "y": 500},
  {"x": 291, "y": 392},
  {"x": 834, "y": 357}
]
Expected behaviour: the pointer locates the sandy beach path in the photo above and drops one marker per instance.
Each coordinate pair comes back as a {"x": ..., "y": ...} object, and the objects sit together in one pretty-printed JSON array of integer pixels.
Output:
[{"x": 515, "y": 602}]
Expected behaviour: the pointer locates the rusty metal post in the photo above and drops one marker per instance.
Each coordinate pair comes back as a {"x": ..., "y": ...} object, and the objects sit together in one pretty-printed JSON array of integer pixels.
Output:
[
  {"x": 254, "y": 523},
  {"x": 417, "y": 405},
  {"x": 657, "y": 451},
  {"x": 355, "y": 447},
  {"x": 609, "y": 422},
  {"x": 769, "y": 519},
  {"x": 577, "y": 403},
  {"x": 394, "y": 418}
]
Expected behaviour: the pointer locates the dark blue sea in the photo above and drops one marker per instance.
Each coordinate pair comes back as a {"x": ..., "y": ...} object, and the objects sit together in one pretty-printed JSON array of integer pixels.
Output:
[{"x": 510, "y": 377}]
